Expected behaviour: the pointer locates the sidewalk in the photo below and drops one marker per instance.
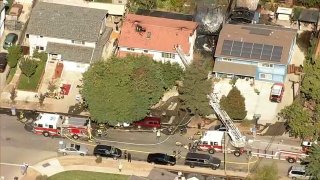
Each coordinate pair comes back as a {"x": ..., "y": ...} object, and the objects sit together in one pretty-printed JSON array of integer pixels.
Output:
[{"x": 137, "y": 168}]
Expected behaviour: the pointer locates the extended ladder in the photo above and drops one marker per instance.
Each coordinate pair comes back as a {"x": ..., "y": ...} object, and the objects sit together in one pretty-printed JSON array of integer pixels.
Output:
[
  {"x": 237, "y": 140},
  {"x": 182, "y": 56}
]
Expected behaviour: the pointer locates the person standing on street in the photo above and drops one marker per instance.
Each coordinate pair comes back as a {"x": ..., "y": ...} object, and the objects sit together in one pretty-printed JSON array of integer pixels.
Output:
[
  {"x": 120, "y": 166},
  {"x": 158, "y": 135},
  {"x": 125, "y": 154},
  {"x": 129, "y": 157}
]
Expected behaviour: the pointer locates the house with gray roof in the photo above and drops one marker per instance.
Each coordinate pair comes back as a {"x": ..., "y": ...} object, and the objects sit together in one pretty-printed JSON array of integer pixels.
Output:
[
  {"x": 2, "y": 18},
  {"x": 71, "y": 34}
]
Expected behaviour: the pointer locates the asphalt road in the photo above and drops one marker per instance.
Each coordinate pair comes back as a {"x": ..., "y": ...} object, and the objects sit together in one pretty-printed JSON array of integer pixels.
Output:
[{"x": 19, "y": 145}]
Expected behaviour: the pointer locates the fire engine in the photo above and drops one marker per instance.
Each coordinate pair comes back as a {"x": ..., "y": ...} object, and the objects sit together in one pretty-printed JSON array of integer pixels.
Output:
[
  {"x": 57, "y": 125},
  {"x": 211, "y": 141}
]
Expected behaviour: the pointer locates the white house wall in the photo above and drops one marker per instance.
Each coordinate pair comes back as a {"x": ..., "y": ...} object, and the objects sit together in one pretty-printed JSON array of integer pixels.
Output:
[
  {"x": 75, "y": 66},
  {"x": 3, "y": 15},
  {"x": 157, "y": 55},
  {"x": 36, "y": 40}
]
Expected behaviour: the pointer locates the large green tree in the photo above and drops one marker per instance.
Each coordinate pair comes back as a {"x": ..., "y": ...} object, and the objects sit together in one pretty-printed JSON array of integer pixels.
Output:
[
  {"x": 123, "y": 89},
  {"x": 267, "y": 172},
  {"x": 28, "y": 67},
  {"x": 311, "y": 82},
  {"x": 313, "y": 168},
  {"x": 142, "y": 4},
  {"x": 310, "y": 3},
  {"x": 234, "y": 104},
  {"x": 298, "y": 120},
  {"x": 194, "y": 90},
  {"x": 14, "y": 54}
]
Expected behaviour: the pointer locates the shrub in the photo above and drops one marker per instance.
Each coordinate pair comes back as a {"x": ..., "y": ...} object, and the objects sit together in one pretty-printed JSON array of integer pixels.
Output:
[
  {"x": 234, "y": 104},
  {"x": 99, "y": 160}
]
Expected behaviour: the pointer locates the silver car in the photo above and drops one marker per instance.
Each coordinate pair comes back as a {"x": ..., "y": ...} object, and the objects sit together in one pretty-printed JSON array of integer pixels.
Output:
[{"x": 73, "y": 149}]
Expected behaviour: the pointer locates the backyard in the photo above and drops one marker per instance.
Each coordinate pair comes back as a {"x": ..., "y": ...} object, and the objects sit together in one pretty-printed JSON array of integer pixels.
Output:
[
  {"x": 86, "y": 175},
  {"x": 31, "y": 83}
]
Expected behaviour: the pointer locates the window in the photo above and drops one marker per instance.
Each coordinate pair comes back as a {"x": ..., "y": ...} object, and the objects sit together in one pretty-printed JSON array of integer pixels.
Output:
[
  {"x": 265, "y": 76},
  {"x": 145, "y": 51},
  {"x": 40, "y": 125},
  {"x": 40, "y": 48},
  {"x": 77, "y": 42},
  {"x": 204, "y": 142},
  {"x": 211, "y": 143},
  {"x": 120, "y": 2},
  {"x": 168, "y": 55},
  {"x": 215, "y": 143},
  {"x": 51, "y": 126},
  {"x": 266, "y": 65},
  {"x": 130, "y": 49},
  {"x": 41, "y": 36},
  {"x": 27, "y": 35}
]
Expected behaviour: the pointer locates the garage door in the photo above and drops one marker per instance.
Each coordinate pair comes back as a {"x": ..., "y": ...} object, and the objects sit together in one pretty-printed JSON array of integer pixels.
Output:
[{"x": 75, "y": 66}]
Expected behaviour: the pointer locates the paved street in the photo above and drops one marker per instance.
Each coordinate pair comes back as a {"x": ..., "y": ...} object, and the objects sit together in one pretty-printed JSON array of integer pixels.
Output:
[{"x": 19, "y": 145}]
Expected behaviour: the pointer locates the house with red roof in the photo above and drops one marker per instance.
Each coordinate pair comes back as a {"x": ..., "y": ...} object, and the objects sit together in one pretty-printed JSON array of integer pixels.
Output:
[{"x": 165, "y": 40}]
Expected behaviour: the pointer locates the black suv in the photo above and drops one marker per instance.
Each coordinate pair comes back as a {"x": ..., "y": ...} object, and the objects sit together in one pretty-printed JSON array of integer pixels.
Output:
[
  {"x": 107, "y": 151},
  {"x": 202, "y": 160},
  {"x": 160, "y": 158}
]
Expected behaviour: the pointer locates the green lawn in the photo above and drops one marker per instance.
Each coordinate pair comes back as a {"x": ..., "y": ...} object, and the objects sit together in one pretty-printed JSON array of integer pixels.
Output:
[
  {"x": 86, "y": 175},
  {"x": 32, "y": 84},
  {"x": 11, "y": 73},
  {"x": 104, "y": 1}
]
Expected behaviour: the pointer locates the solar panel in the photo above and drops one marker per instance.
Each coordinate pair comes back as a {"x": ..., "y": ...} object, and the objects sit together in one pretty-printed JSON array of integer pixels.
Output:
[
  {"x": 252, "y": 50},
  {"x": 247, "y": 45},
  {"x": 237, "y": 43}
]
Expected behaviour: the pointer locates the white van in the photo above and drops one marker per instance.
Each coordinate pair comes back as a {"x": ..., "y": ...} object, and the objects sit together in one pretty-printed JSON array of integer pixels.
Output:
[{"x": 298, "y": 172}]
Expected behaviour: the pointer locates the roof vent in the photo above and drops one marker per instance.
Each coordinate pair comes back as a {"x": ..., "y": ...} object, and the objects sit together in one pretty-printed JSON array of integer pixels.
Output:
[{"x": 148, "y": 35}]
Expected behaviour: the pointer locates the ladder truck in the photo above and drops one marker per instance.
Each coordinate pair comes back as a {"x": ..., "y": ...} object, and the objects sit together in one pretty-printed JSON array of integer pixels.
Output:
[{"x": 253, "y": 148}]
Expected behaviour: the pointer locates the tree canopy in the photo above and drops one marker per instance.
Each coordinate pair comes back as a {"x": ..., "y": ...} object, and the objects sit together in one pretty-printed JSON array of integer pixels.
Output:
[
  {"x": 28, "y": 67},
  {"x": 311, "y": 82},
  {"x": 123, "y": 89},
  {"x": 234, "y": 104},
  {"x": 298, "y": 120},
  {"x": 14, "y": 54},
  {"x": 313, "y": 168},
  {"x": 194, "y": 91},
  {"x": 267, "y": 172}
]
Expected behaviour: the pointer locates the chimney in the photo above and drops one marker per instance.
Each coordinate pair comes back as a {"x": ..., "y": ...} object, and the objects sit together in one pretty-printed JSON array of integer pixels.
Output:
[{"x": 148, "y": 35}]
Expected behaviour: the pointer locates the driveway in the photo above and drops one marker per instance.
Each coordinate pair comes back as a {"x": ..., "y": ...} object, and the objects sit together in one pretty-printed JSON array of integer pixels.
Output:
[{"x": 255, "y": 104}]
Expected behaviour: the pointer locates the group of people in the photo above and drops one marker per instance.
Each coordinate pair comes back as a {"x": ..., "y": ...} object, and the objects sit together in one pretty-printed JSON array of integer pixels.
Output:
[{"x": 126, "y": 156}]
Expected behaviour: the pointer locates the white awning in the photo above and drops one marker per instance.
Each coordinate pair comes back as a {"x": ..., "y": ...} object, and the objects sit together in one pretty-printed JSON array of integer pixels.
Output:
[{"x": 283, "y": 10}]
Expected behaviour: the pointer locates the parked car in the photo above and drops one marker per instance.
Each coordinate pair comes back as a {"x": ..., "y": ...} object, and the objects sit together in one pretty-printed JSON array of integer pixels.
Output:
[
  {"x": 10, "y": 40},
  {"x": 73, "y": 149},
  {"x": 202, "y": 160},
  {"x": 276, "y": 93},
  {"x": 160, "y": 158},
  {"x": 107, "y": 151},
  {"x": 148, "y": 122},
  {"x": 298, "y": 172},
  {"x": 3, "y": 62}
]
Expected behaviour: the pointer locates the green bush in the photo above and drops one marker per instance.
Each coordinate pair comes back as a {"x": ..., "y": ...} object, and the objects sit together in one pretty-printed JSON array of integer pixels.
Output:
[
  {"x": 234, "y": 104},
  {"x": 98, "y": 160}
]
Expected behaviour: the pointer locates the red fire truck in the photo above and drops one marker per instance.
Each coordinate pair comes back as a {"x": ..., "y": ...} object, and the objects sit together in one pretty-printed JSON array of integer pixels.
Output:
[
  {"x": 211, "y": 141},
  {"x": 57, "y": 125}
]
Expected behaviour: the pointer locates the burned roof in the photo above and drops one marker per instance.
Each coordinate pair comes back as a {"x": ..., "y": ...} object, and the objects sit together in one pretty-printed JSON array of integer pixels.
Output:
[
  {"x": 309, "y": 16},
  {"x": 164, "y": 14},
  {"x": 250, "y": 42}
]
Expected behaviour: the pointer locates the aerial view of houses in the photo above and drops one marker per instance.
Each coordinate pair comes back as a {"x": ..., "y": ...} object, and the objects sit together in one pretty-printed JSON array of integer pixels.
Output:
[{"x": 159, "y": 89}]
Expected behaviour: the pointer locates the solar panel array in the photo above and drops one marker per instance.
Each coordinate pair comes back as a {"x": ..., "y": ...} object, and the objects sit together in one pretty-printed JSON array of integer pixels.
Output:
[{"x": 252, "y": 50}]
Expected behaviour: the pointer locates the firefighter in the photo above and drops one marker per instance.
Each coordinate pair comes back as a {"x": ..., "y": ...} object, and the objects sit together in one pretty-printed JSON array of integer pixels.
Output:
[
  {"x": 21, "y": 116},
  {"x": 99, "y": 132}
]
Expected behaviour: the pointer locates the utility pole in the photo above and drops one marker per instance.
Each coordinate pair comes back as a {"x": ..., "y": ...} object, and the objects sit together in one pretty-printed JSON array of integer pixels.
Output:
[{"x": 225, "y": 153}]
